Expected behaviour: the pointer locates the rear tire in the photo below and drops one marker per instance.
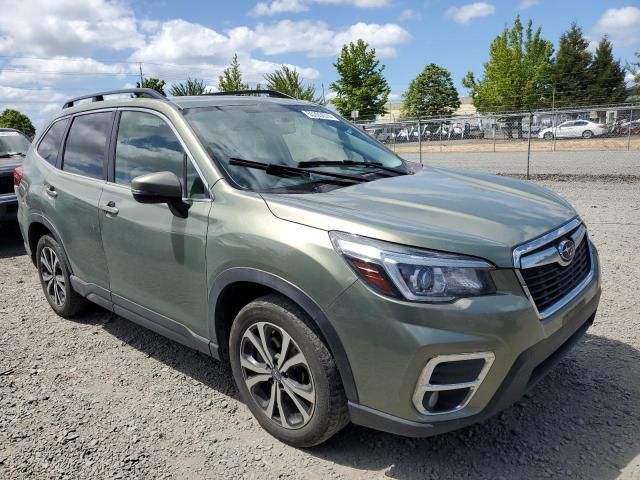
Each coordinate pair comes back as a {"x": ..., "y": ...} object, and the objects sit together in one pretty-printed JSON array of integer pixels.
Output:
[
  {"x": 54, "y": 278},
  {"x": 587, "y": 134},
  {"x": 270, "y": 376}
]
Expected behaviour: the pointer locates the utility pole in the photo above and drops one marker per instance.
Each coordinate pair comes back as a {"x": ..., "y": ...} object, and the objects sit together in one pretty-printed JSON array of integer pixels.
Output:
[
  {"x": 553, "y": 117},
  {"x": 141, "y": 78}
]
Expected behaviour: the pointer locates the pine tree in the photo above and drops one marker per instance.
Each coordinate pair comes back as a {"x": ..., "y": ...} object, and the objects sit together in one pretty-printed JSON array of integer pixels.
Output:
[
  {"x": 361, "y": 85},
  {"x": 431, "y": 93},
  {"x": 606, "y": 76},
  {"x": 571, "y": 70},
  {"x": 231, "y": 78},
  {"x": 288, "y": 81},
  {"x": 192, "y": 86}
]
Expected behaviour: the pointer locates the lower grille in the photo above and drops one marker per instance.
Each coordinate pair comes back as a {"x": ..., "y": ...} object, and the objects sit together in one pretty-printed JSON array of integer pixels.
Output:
[
  {"x": 548, "y": 284},
  {"x": 6, "y": 184}
]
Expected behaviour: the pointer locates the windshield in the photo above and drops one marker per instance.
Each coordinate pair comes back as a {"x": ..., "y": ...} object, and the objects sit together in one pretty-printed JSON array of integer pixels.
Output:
[
  {"x": 13, "y": 142},
  {"x": 291, "y": 135}
]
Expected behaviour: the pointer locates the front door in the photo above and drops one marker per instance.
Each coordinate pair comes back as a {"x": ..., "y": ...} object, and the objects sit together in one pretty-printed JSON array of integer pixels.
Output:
[{"x": 156, "y": 260}]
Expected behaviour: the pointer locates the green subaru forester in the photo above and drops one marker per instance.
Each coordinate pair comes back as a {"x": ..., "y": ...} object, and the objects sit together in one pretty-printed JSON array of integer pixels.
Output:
[{"x": 341, "y": 282}]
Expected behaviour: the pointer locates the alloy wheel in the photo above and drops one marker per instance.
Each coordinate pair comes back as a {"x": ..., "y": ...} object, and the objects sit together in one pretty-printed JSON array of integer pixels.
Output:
[
  {"x": 52, "y": 276},
  {"x": 277, "y": 375}
]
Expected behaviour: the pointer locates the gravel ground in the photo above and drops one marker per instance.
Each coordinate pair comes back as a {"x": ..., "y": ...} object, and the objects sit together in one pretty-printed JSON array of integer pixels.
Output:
[
  {"x": 100, "y": 397},
  {"x": 568, "y": 163}
]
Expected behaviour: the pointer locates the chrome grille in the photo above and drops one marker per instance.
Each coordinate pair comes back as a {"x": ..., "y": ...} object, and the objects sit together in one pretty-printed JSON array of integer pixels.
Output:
[{"x": 549, "y": 283}]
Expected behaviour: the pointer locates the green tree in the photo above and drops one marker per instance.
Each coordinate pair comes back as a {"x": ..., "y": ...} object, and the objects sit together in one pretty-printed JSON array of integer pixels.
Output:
[
  {"x": 430, "y": 94},
  {"x": 19, "y": 121},
  {"x": 153, "y": 83},
  {"x": 518, "y": 74},
  {"x": 192, "y": 86},
  {"x": 361, "y": 85},
  {"x": 571, "y": 78},
  {"x": 231, "y": 78},
  {"x": 288, "y": 81},
  {"x": 634, "y": 68},
  {"x": 607, "y": 83}
]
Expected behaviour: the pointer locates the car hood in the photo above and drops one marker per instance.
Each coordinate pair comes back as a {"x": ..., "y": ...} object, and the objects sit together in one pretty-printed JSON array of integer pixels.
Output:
[{"x": 448, "y": 210}]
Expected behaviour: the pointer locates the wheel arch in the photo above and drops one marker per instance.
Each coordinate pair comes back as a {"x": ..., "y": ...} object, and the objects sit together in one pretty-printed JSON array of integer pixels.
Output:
[
  {"x": 260, "y": 283},
  {"x": 37, "y": 228}
]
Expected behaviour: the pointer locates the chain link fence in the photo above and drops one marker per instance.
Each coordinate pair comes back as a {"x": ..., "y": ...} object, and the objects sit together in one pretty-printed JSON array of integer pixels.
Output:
[{"x": 597, "y": 140}]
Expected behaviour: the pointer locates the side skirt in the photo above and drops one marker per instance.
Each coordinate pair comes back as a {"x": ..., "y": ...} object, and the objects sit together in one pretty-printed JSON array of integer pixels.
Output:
[{"x": 144, "y": 317}]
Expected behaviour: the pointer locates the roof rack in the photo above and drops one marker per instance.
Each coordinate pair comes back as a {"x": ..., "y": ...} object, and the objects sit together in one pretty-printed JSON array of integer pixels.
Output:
[
  {"x": 99, "y": 97},
  {"x": 269, "y": 93}
]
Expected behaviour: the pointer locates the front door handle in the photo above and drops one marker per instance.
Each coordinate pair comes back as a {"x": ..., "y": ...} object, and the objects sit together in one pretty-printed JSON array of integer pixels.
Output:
[
  {"x": 51, "y": 191},
  {"x": 110, "y": 208}
]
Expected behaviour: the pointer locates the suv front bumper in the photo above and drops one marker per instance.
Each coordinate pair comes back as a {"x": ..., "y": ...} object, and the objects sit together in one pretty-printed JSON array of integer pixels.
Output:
[{"x": 388, "y": 344}]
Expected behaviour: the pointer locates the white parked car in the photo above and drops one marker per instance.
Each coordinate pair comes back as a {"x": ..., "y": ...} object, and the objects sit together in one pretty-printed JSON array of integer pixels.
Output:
[{"x": 574, "y": 129}]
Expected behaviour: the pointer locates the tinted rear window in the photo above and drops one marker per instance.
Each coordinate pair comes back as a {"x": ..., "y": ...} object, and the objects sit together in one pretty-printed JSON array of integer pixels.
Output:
[
  {"x": 50, "y": 144},
  {"x": 86, "y": 144}
]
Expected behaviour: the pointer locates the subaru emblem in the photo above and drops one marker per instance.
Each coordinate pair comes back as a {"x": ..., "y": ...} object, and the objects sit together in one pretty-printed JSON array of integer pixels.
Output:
[{"x": 567, "y": 250}]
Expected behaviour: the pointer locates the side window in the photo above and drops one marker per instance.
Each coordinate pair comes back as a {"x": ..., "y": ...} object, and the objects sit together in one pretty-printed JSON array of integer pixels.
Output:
[
  {"x": 581, "y": 123},
  {"x": 146, "y": 144},
  {"x": 50, "y": 144},
  {"x": 86, "y": 144}
]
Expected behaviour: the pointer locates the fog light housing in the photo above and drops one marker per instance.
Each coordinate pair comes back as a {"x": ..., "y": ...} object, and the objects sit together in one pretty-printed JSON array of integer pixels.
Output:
[{"x": 448, "y": 382}]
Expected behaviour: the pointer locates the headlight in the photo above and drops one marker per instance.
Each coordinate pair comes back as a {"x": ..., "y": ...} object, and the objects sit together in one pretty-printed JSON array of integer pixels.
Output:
[{"x": 414, "y": 274}]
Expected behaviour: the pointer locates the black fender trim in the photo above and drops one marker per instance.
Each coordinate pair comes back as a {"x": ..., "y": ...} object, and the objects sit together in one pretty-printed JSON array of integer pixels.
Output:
[
  {"x": 41, "y": 219},
  {"x": 243, "y": 274}
]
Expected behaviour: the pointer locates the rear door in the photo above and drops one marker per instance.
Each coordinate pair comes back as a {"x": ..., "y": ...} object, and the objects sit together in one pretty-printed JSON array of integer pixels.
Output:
[
  {"x": 157, "y": 264},
  {"x": 74, "y": 191}
]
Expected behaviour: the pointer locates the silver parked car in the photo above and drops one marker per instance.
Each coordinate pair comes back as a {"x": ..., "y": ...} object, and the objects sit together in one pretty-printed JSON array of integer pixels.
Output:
[{"x": 574, "y": 129}]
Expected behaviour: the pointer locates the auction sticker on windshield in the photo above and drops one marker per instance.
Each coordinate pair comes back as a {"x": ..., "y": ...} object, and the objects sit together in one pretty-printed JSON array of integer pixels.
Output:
[{"x": 316, "y": 115}]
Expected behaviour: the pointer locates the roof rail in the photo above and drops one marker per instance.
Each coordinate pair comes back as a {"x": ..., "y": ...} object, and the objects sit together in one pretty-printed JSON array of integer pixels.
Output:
[
  {"x": 269, "y": 93},
  {"x": 99, "y": 97}
]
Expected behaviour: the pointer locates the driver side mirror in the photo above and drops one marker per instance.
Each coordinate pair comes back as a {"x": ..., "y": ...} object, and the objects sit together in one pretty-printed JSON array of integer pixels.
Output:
[{"x": 160, "y": 187}]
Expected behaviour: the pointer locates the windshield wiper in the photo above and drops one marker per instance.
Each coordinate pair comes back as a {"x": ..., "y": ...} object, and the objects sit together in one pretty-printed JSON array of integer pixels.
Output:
[
  {"x": 286, "y": 171},
  {"x": 12, "y": 154},
  {"x": 349, "y": 163}
]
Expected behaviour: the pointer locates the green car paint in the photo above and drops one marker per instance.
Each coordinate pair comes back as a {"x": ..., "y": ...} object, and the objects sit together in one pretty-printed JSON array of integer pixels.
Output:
[{"x": 171, "y": 273}]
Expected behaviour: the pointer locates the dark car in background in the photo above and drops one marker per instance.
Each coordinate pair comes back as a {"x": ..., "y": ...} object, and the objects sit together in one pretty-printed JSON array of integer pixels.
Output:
[{"x": 13, "y": 148}]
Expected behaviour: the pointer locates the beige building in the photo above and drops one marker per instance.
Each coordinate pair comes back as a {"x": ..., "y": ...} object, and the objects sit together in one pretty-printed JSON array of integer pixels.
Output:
[{"x": 393, "y": 110}]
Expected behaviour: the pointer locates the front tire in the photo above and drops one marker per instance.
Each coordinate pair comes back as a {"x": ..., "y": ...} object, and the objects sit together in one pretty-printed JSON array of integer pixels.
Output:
[
  {"x": 54, "y": 278},
  {"x": 285, "y": 373},
  {"x": 548, "y": 136}
]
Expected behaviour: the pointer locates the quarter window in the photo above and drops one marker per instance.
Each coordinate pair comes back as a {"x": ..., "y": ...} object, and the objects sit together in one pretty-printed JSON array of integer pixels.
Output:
[
  {"x": 50, "y": 144},
  {"x": 86, "y": 144}
]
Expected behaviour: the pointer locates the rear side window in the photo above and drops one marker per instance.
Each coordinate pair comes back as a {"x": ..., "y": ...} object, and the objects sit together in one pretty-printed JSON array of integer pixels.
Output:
[
  {"x": 84, "y": 151},
  {"x": 50, "y": 144}
]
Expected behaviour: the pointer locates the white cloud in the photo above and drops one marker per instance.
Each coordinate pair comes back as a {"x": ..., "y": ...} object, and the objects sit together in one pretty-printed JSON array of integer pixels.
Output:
[
  {"x": 279, "y": 6},
  {"x": 622, "y": 25},
  {"x": 57, "y": 27},
  {"x": 28, "y": 70},
  {"x": 466, "y": 13},
  {"x": 405, "y": 14},
  {"x": 179, "y": 41},
  {"x": 524, "y": 4},
  {"x": 37, "y": 104},
  {"x": 359, "y": 3},
  {"x": 629, "y": 78}
]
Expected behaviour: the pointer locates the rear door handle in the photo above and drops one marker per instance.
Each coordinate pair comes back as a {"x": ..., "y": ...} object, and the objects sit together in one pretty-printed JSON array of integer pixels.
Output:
[
  {"x": 110, "y": 208},
  {"x": 51, "y": 191}
]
